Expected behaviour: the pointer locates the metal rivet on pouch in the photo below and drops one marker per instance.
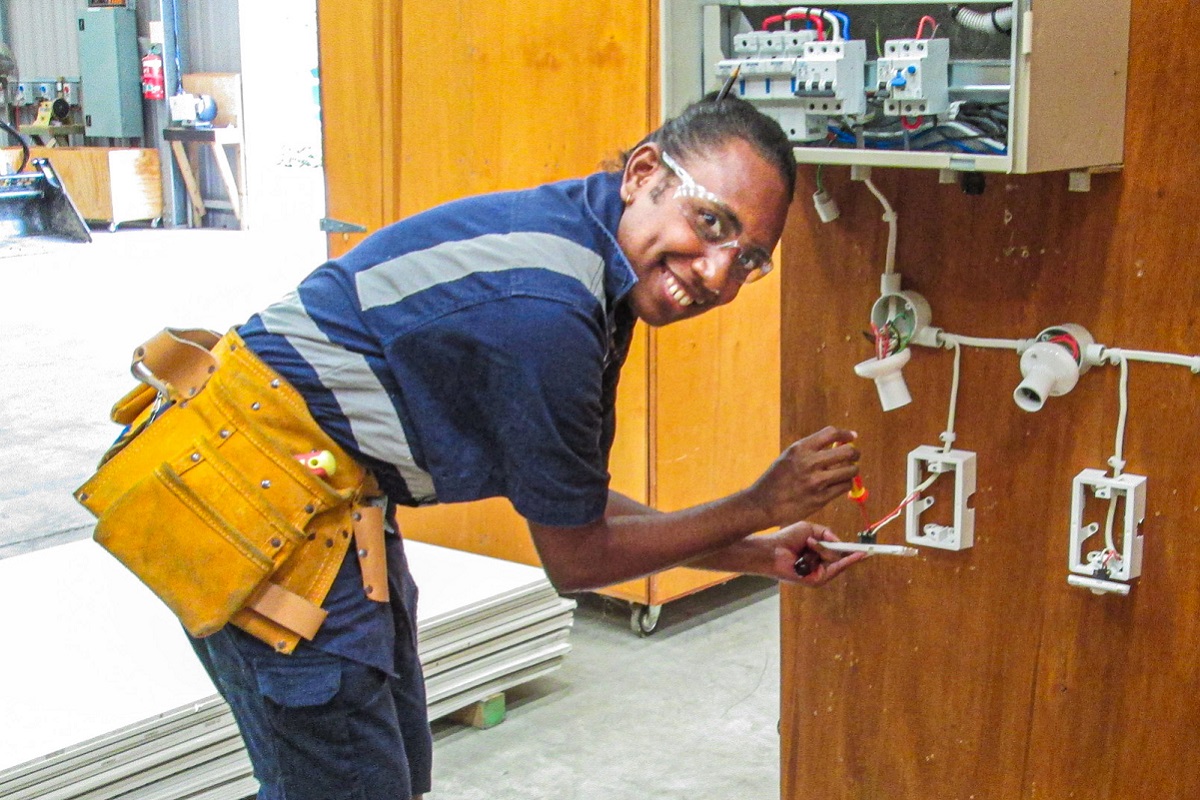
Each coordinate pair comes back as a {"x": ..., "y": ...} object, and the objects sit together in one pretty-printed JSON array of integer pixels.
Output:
[
  {"x": 265, "y": 484},
  {"x": 357, "y": 517},
  {"x": 211, "y": 370},
  {"x": 276, "y": 542},
  {"x": 83, "y": 495},
  {"x": 224, "y": 434},
  {"x": 183, "y": 403},
  {"x": 140, "y": 352},
  {"x": 329, "y": 542},
  {"x": 362, "y": 553},
  {"x": 275, "y": 384},
  {"x": 308, "y": 509},
  {"x": 345, "y": 534},
  {"x": 255, "y": 406},
  {"x": 312, "y": 536},
  {"x": 192, "y": 391},
  {"x": 368, "y": 589},
  {"x": 195, "y": 456},
  {"x": 232, "y": 347},
  {"x": 281, "y": 645}
]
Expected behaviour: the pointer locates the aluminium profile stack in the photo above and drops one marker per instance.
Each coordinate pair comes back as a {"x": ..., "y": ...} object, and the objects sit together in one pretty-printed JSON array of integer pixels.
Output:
[{"x": 107, "y": 700}]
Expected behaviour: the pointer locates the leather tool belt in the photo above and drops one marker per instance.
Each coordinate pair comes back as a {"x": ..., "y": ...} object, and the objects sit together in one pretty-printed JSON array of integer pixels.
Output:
[{"x": 204, "y": 499}]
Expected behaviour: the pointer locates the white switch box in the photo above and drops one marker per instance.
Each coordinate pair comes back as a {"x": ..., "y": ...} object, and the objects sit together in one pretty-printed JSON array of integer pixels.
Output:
[{"x": 958, "y": 533}]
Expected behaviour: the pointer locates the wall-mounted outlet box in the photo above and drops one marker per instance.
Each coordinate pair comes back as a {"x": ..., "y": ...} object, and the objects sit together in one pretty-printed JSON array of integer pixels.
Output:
[
  {"x": 1098, "y": 549},
  {"x": 956, "y": 528}
]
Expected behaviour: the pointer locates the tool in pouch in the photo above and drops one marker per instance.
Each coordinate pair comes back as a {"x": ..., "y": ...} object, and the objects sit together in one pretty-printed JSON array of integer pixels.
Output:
[{"x": 203, "y": 498}]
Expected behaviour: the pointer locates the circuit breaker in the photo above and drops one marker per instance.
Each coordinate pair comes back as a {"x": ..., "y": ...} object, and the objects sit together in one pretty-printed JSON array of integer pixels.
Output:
[{"x": 1017, "y": 86}]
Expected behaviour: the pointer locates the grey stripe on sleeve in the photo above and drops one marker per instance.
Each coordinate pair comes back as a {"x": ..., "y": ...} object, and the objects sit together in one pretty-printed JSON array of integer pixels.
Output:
[
  {"x": 392, "y": 281},
  {"x": 362, "y": 398}
]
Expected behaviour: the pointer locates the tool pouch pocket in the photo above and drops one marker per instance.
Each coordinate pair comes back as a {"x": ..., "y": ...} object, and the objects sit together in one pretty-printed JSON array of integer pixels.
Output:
[
  {"x": 171, "y": 535},
  {"x": 208, "y": 505}
]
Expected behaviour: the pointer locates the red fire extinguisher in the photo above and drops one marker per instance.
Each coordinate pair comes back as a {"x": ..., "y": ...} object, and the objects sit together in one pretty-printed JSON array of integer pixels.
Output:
[{"x": 154, "y": 84}]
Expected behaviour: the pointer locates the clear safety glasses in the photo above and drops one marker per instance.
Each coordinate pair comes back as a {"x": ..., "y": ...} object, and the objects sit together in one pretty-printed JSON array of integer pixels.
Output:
[{"x": 716, "y": 225}]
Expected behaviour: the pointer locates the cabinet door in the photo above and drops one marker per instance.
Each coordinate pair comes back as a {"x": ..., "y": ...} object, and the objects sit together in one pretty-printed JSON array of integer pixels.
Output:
[
  {"x": 424, "y": 102},
  {"x": 357, "y": 41}
]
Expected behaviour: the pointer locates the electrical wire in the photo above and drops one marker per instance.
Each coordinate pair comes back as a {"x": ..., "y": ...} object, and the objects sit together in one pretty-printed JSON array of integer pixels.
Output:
[
  {"x": 836, "y": 28},
  {"x": 1117, "y": 462},
  {"x": 819, "y": 22},
  {"x": 921, "y": 26},
  {"x": 895, "y": 512},
  {"x": 889, "y": 216},
  {"x": 21, "y": 140},
  {"x": 948, "y": 436}
]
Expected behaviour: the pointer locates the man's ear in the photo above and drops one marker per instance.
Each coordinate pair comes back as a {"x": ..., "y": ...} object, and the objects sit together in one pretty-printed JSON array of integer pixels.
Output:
[{"x": 642, "y": 163}]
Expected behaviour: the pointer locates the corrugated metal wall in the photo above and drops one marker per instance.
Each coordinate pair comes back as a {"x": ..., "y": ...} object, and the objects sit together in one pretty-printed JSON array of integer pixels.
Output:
[
  {"x": 214, "y": 41},
  {"x": 43, "y": 37}
]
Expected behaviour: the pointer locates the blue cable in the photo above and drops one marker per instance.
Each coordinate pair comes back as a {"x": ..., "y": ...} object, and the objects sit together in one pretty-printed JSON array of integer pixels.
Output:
[{"x": 845, "y": 18}]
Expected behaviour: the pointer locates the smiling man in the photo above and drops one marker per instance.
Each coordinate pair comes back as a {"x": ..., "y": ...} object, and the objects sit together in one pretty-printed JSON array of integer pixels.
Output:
[{"x": 472, "y": 351}]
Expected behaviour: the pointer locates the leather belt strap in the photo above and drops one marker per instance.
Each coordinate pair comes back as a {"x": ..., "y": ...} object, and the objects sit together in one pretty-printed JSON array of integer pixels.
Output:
[
  {"x": 176, "y": 361},
  {"x": 372, "y": 554},
  {"x": 288, "y": 609}
]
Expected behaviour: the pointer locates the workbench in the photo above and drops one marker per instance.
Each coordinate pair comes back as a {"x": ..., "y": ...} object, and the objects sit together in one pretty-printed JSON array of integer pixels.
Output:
[{"x": 185, "y": 143}]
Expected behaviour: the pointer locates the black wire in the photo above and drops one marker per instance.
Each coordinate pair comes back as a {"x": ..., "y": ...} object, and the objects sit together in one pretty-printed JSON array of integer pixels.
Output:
[{"x": 20, "y": 140}]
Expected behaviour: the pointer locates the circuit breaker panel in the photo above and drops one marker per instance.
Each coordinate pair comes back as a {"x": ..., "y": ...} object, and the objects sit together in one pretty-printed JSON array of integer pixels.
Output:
[{"x": 1023, "y": 86}]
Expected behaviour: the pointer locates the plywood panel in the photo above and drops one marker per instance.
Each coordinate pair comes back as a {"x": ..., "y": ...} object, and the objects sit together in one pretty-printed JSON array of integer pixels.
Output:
[
  {"x": 503, "y": 95},
  {"x": 983, "y": 674}
]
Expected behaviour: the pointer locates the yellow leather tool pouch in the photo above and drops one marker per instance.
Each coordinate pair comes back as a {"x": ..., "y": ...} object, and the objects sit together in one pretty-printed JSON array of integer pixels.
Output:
[{"x": 210, "y": 508}]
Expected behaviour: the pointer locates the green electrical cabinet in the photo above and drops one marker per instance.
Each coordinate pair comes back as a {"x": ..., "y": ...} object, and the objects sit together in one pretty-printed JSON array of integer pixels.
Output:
[{"x": 110, "y": 73}]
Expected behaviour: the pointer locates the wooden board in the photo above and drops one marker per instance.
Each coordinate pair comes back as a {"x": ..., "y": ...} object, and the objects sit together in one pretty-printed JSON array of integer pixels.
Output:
[
  {"x": 107, "y": 184},
  {"x": 982, "y": 673},
  {"x": 223, "y": 87}
]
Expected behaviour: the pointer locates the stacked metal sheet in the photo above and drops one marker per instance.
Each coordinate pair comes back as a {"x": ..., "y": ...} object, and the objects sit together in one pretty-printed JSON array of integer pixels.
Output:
[{"x": 102, "y": 698}]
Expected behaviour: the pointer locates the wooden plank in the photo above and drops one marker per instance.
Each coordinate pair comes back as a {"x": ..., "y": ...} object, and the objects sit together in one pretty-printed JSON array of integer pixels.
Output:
[
  {"x": 223, "y": 87},
  {"x": 189, "y": 179},
  {"x": 983, "y": 673},
  {"x": 484, "y": 714}
]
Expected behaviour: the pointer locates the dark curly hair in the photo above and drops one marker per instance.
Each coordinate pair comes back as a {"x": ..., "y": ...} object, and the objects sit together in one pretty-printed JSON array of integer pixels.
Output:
[{"x": 709, "y": 123}]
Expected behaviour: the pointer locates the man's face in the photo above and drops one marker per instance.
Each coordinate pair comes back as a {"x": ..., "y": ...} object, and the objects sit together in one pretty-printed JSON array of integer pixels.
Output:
[{"x": 683, "y": 267}]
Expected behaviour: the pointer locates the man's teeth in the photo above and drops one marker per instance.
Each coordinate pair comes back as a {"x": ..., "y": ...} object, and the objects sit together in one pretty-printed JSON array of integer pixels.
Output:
[{"x": 677, "y": 293}]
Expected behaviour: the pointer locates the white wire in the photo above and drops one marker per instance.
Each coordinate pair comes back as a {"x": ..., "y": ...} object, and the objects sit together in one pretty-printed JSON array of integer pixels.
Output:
[
  {"x": 834, "y": 23},
  {"x": 952, "y": 339},
  {"x": 912, "y": 496},
  {"x": 889, "y": 216},
  {"x": 948, "y": 437},
  {"x": 1152, "y": 357},
  {"x": 1117, "y": 462},
  {"x": 989, "y": 141}
]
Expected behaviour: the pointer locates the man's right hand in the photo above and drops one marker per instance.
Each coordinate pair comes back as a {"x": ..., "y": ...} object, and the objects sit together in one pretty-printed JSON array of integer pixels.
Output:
[{"x": 807, "y": 475}]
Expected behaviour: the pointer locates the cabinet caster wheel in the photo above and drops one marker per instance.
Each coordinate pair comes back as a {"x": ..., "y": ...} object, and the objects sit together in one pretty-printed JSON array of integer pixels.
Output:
[
  {"x": 643, "y": 620},
  {"x": 156, "y": 222},
  {"x": 112, "y": 227}
]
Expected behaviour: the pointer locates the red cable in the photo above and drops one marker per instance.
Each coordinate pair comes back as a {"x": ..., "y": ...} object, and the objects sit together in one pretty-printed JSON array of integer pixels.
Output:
[
  {"x": 911, "y": 126},
  {"x": 816, "y": 20},
  {"x": 921, "y": 26}
]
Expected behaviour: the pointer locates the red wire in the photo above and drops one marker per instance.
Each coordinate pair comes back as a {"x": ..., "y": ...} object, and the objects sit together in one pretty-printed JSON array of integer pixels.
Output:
[
  {"x": 911, "y": 126},
  {"x": 1069, "y": 342},
  {"x": 921, "y": 26},
  {"x": 815, "y": 19}
]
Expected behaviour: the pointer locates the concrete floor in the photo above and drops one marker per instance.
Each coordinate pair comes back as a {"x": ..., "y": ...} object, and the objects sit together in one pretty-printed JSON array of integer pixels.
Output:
[{"x": 689, "y": 712}]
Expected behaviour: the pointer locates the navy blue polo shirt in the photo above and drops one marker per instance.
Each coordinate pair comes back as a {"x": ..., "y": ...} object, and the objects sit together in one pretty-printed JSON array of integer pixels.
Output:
[{"x": 469, "y": 351}]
